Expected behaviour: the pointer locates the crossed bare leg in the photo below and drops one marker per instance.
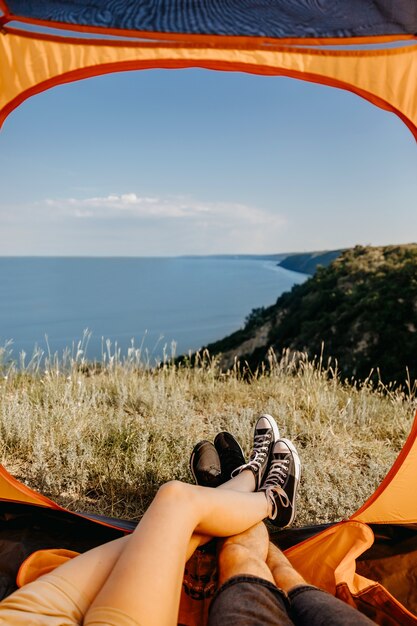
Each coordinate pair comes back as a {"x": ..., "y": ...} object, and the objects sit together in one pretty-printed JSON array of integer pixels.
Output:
[
  {"x": 253, "y": 554},
  {"x": 260, "y": 586},
  {"x": 138, "y": 579}
]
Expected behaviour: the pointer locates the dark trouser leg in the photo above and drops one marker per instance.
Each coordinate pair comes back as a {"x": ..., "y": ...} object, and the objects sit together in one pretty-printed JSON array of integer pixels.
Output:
[
  {"x": 249, "y": 601},
  {"x": 312, "y": 607}
]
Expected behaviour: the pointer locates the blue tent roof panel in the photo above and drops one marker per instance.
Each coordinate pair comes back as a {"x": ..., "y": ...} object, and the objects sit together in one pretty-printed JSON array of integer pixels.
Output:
[{"x": 263, "y": 18}]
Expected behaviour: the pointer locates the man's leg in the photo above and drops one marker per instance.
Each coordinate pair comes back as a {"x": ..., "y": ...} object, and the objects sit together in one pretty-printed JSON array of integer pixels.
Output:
[
  {"x": 247, "y": 594},
  {"x": 311, "y": 606},
  {"x": 245, "y": 553}
]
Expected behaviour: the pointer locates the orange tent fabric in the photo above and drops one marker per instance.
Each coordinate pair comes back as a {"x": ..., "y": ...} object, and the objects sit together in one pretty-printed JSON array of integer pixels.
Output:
[
  {"x": 395, "y": 500},
  {"x": 42, "y": 562},
  {"x": 13, "y": 490},
  {"x": 328, "y": 561},
  {"x": 31, "y": 63}
]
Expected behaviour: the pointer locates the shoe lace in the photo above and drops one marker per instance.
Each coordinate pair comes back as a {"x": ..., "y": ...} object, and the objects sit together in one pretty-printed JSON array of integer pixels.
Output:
[
  {"x": 278, "y": 472},
  {"x": 282, "y": 496},
  {"x": 277, "y": 476},
  {"x": 260, "y": 449}
]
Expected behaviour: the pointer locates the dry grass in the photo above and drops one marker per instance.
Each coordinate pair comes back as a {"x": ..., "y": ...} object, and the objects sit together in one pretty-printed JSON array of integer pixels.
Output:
[{"x": 103, "y": 439}]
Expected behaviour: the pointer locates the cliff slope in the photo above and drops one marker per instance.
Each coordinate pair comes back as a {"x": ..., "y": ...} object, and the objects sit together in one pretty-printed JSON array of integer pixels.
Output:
[
  {"x": 308, "y": 262},
  {"x": 361, "y": 310}
]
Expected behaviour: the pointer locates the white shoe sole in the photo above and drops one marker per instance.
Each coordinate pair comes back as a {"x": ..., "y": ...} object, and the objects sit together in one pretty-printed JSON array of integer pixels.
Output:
[
  {"x": 297, "y": 475},
  {"x": 273, "y": 425}
]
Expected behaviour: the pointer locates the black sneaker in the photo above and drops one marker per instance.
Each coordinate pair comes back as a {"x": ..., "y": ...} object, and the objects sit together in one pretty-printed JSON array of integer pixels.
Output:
[
  {"x": 230, "y": 454},
  {"x": 282, "y": 482},
  {"x": 265, "y": 435},
  {"x": 205, "y": 465}
]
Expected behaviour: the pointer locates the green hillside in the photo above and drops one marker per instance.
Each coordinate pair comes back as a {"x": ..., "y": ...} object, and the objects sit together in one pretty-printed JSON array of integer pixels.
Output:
[{"x": 361, "y": 310}]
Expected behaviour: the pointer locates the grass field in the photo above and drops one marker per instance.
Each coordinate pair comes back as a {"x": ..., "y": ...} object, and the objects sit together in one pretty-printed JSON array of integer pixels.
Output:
[{"x": 104, "y": 438}]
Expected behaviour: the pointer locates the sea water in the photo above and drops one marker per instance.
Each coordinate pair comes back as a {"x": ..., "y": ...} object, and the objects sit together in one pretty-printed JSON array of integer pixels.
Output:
[{"x": 162, "y": 305}]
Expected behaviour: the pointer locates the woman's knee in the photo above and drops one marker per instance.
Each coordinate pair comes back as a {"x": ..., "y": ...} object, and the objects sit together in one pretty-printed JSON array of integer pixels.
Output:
[
  {"x": 178, "y": 493},
  {"x": 172, "y": 489}
]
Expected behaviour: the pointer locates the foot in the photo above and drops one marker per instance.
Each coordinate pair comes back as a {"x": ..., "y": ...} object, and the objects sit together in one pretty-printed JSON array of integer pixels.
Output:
[
  {"x": 281, "y": 483},
  {"x": 265, "y": 436},
  {"x": 205, "y": 465},
  {"x": 230, "y": 454},
  {"x": 244, "y": 554}
]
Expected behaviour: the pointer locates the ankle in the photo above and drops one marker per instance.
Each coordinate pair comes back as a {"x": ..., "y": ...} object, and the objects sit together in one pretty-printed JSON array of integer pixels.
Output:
[
  {"x": 287, "y": 578},
  {"x": 237, "y": 560}
]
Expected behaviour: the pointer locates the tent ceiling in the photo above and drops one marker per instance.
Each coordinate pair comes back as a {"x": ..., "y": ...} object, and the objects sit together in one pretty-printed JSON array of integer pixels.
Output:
[
  {"x": 269, "y": 37},
  {"x": 263, "y": 18}
]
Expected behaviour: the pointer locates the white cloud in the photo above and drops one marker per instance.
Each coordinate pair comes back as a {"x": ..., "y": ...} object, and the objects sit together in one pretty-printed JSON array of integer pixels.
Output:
[
  {"x": 130, "y": 205},
  {"x": 128, "y": 223}
]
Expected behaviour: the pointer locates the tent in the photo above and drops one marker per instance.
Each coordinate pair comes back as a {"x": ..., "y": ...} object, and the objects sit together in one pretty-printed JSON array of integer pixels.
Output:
[
  {"x": 363, "y": 47},
  {"x": 367, "y": 48}
]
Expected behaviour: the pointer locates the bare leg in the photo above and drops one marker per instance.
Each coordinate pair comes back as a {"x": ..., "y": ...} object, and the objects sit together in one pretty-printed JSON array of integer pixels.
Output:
[
  {"x": 310, "y": 606},
  {"x": 142, "y": 574},
  {"x": 146, "y": 580},
  {"x": 245, "y": 553},
  {"x": 245, "y": 481},
  {"x": 285, "y": 576},
  {"x": 248, "y": 594}
]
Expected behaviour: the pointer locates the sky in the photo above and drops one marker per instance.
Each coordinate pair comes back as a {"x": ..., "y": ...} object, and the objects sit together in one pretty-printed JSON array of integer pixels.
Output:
[{"x": 174, "y": 162}]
